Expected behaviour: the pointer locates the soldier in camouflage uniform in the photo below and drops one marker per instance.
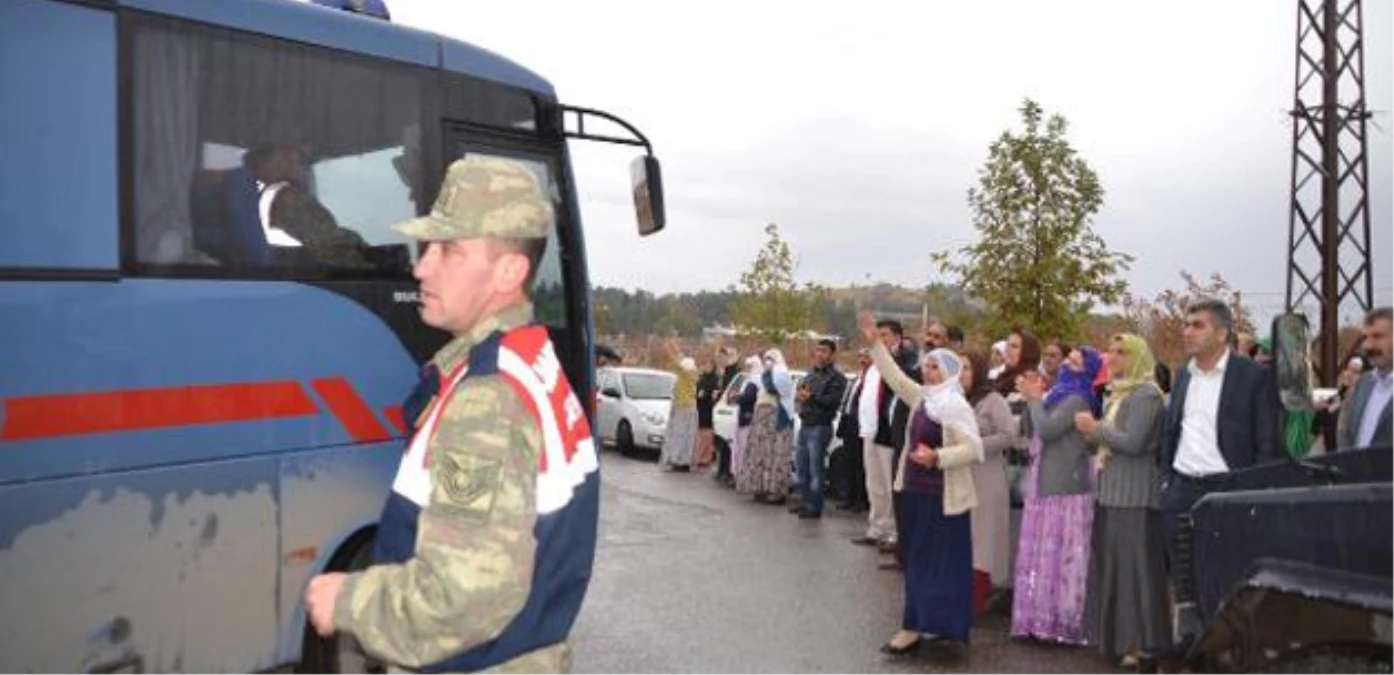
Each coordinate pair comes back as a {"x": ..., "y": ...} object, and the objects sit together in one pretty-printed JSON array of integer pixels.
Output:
[{"x": 487, "y": 541}]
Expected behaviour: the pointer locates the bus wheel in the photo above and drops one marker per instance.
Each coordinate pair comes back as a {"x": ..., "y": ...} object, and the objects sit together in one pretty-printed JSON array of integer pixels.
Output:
[
  {"x": 341, "y": 653},
  {"x": 624, "y": 439}
]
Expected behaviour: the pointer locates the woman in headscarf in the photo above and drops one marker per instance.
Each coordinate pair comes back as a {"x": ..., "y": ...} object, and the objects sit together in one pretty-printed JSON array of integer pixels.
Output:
[
  {"x": 997, "y": 360},
  {"x": 681, "y": 434},
  {"x": 745, "y": 414},
  {"x": 1127, "y": 608},
  {"x": 935, "y": 482},
  {"x": 771, "y": 444},
  {"x": 992, "y": 544},
  {"x": 1052, "y": 563}
]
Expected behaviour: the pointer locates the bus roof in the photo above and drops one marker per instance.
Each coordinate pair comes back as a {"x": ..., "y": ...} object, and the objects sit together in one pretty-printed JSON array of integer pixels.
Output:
[{"x": 337, "y": 29}]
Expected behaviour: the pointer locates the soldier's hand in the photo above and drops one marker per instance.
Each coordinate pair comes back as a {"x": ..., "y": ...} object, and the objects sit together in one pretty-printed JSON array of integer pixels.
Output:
[{"x": 319, "y": 601}]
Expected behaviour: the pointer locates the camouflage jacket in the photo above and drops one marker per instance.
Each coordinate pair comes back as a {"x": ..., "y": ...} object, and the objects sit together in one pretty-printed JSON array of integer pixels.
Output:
[
  {"x": 470, "y": 570},
  {"x": 306, "y": 220}
]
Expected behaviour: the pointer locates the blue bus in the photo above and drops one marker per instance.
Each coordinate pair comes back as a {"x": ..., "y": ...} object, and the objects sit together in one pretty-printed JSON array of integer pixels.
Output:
[{"x": 198, "y": 410}]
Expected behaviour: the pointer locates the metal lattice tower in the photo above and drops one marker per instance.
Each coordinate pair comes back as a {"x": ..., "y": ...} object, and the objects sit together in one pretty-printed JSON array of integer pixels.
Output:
[{"x": 1329, "y": 227}]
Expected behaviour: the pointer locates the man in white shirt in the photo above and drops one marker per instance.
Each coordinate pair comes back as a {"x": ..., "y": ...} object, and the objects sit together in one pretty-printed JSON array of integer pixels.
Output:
[
  {"x": 1366, "y": 419},
  {"x": 1222, "y": 417},
  {"x": 876, "y": 416}
]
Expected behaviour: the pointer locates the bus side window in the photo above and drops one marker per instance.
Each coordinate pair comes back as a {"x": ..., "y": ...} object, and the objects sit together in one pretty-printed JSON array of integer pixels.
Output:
[{"x": 254, "y": 155}]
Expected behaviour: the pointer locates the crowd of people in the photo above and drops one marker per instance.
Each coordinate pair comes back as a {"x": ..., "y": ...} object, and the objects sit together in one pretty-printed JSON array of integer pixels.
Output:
[{"x": 1114, "y": 452}]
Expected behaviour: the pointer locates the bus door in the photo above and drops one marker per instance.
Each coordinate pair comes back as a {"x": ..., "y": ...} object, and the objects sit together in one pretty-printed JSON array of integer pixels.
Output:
[{"x": 560, "y": 292}]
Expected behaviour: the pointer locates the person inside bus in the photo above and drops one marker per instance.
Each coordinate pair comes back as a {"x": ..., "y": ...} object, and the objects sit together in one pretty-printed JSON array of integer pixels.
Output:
[{"x": 292, "y": 217}]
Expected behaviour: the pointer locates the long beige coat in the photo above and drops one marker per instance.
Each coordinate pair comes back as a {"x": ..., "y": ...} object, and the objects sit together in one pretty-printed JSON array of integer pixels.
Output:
[{"x": 956, "y": 458}]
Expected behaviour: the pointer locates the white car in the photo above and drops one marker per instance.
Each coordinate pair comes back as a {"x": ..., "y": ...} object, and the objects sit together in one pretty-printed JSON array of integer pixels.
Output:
[{"x": 631, "y": 407}]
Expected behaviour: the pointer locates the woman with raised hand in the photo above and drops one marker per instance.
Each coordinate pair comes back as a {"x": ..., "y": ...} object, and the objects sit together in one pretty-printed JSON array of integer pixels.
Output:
[
  {"x": 680, "y": 437},
  {"x": 935, "y": 482}
]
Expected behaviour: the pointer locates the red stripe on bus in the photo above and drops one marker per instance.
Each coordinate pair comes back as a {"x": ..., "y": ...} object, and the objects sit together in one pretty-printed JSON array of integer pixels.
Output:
[
  {"x": 352, "y": 412},
  {"x": 56, "y": 415},
  {"x": 396, "y": 417}
]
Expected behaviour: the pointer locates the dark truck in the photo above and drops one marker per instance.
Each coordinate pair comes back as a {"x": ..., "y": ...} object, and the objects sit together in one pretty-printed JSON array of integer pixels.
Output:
[{"x": 1290, "y": 568}]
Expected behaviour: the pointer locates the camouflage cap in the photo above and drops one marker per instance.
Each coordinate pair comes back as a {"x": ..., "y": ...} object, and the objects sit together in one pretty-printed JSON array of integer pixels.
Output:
[{"x": 485, "y": 197}]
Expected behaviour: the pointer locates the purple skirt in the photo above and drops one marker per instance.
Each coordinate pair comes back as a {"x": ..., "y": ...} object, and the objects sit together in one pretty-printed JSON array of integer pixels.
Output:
[{"x": 1051, "y": 586}]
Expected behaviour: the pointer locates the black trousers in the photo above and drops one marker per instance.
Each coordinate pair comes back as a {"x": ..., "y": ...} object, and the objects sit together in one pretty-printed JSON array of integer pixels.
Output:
[
  {"x": 1180, "y": 495},
  {"x": 853, "y": 491},
  {"x": 723, "y": 460}
]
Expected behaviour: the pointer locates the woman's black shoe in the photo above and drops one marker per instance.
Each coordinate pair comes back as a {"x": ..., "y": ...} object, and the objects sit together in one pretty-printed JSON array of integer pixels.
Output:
[{"x": 893, "y": 650}]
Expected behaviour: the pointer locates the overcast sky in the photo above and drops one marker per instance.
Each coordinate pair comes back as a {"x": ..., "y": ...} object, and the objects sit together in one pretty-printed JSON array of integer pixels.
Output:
[{"x": 859, "y": 127}]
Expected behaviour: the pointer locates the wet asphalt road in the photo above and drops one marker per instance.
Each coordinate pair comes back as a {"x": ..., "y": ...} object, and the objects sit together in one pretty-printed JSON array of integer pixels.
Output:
[{"x": 691, "y": 577}]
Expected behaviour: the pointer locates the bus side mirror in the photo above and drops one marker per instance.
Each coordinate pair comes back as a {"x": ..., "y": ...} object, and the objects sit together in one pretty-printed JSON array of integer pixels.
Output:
[{"x": 647, "y": 180}]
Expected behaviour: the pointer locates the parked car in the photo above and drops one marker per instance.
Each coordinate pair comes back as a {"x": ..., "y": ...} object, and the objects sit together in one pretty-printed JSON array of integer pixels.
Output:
[{"x": 632, "y": 406}]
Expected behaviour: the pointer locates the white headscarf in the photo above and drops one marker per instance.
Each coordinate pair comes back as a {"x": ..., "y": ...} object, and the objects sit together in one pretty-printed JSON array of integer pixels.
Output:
[
  {"x": 945, "y": 403},
  {"x": 754, "y": 367},
  {"x": 1000, "y": 349},
  {"x": 783, "y": 382}
]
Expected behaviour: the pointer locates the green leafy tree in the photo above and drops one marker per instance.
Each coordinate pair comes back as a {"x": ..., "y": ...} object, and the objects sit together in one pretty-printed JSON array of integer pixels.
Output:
[
  {"x": 769, "y": 304},
  {"x": 1161, "y": 319},
  {"x": 1038, "y": 263}
]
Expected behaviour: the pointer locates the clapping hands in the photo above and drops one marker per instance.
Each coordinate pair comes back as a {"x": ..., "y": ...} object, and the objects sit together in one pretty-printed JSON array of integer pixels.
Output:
[{"x": 925, "y": 456}]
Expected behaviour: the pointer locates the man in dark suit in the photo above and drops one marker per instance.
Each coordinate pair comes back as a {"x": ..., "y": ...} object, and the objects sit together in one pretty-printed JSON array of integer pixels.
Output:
[
  {"x": 1366, "y": 418},
  {"x": 1223, "y": 416},
  {"x": 853, "y": 493}
]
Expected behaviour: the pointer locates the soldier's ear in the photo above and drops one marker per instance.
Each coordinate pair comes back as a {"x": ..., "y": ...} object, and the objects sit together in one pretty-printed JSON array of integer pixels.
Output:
[{"x": 511, "y": 271}]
